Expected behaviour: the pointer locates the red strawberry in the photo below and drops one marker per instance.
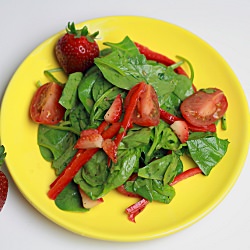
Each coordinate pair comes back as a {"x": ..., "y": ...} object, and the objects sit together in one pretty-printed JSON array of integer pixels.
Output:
[
  {"x": 115, "y": 111},
  {"x": 110, "y": 149},
  {"x": 180, "y": 128},
  {"x": 76, "y": 50},
  {"x": 89, "y": 138},
  {"x": 3, "y": 180}
]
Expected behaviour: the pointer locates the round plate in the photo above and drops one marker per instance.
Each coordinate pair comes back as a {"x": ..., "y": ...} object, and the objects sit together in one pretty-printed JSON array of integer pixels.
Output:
[{"x": 194, "y": 198}]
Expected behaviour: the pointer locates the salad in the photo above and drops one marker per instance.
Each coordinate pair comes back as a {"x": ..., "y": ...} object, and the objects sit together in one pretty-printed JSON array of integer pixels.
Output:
[{"x": 123, "y": 121}]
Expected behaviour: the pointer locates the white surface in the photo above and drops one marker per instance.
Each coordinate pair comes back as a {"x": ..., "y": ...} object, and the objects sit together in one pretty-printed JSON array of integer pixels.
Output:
[{"x": 224, "y": 24}]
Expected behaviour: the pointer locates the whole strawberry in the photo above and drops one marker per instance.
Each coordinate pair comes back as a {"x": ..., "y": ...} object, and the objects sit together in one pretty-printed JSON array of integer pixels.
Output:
[
  {"x": 76, "y": 50},
  {"x": 3, "y": 180}
]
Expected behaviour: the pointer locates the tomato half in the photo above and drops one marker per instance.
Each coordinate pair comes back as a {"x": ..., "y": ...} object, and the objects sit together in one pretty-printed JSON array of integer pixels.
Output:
[
  {"x": 147, "y": 112},
  {"x": 204, "y": 107},
  {"x": 44, "y": 107}
]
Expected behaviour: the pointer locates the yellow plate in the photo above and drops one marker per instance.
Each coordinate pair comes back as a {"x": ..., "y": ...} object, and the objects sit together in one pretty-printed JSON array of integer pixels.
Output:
[{"x": 195, "y": 197}]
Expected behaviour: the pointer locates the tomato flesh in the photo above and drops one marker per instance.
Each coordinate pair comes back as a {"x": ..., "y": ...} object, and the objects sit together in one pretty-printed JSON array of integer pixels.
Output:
[
  {"x": 147, "y": 112},
  {"x": 204, "y": 107},
  {"x": 44, "y": 107}
]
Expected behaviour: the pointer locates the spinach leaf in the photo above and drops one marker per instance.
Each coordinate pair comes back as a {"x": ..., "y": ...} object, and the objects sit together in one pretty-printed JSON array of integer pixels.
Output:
[
  {"x": 207, "y": 152},
  {"x": 122, "y": 170},
  {"x": 53, "y": 142},
  {"x": 95, "y": 171},
  {"x": 136, "y": 138},
  {"x": 102, "y": 104},
  {"x": 125, "y": 66},
  {"x": 153, "y": 190},
  {"x": 62, "y": 161},
  {"x": 78, "y": 118},
  {"x": 92, "y": 191},
  {"x": 85, "y": 87},
  {"x": 163, "y": 169},
  {"x": 69, "y": 94},
  {"x": 163, "y": 138},
  {"x": 93, "y": 175},
  {"x": 70, "y": 199}
]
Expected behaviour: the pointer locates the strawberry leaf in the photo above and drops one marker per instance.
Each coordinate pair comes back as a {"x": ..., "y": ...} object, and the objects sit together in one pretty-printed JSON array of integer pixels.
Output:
[{"x": 2, "y": 155}]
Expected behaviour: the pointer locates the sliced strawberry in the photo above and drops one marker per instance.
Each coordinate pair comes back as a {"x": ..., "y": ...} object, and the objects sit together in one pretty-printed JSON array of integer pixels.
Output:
[
  {"x": 115, "y": 110},
  {"x": 89, "y": 138},
  {"x": 180, "y": 128},
  {"x": 87, "y": 202},
  {"x": 110, "y": 149},
  {"x": 88, "y": 132},
  {"x": 3, "y": 189}
]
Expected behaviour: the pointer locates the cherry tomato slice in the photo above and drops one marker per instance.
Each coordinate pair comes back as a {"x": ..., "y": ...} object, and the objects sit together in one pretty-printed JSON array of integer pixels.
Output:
[
  {"x": 147, "y": 112},
  {"x": 44, "y": 107},
  {"x": 204, "y": 107}
]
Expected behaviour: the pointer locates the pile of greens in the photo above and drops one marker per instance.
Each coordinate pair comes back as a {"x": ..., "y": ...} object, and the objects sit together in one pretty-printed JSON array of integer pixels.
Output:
[{"x": 154, "y": 153}]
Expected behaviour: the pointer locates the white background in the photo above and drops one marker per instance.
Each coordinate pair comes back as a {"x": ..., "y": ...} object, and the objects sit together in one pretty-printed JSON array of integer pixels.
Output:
[{"x": 224, "y": 24}]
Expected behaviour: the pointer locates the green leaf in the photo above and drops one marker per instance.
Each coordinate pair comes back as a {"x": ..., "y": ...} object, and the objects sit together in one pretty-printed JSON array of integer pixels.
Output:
[
  {"x": 69, "y": 94},
  {"x": 207, "y": 152},
  {"x": 119, "y": 173},
  {"x": 2, "y": 155},
  {"x": 70, "y": 199},
  {"x": 53, "y": 142},
  {"x": 92, "y": 76},
  {"x": 95, "y": 171}
]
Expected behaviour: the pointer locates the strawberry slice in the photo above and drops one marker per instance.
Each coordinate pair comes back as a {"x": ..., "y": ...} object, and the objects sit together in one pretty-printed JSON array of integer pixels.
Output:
[
  {"x": 110, "y": 149},
  {"x": 114, "y": 112},
  {"x": 89, "y": 138},
  {"x": 3, "y": 180},
  {"x": 180, "y": 128},
  {"x": 87, "y": 202}
]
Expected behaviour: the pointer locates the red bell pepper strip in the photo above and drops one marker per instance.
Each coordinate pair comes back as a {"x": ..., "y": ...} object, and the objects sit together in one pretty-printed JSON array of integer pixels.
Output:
[
  {"x": 186, "y": 174},
  {"x": 121, "y": 189},
  {"x": 111, "y": 131},
  {"x": 170, "y": 119},
  {"x": 151, "y": 55},
  {"x": 81, "y": 157},
  {"x": 127, "y": 120},
  {"x": 136, "y": 208},
  {"x": 167, "y": 117}
]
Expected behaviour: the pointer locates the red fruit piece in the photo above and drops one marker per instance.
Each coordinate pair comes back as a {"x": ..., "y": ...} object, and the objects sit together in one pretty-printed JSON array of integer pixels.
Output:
[
  {"x": 3, "y": 189},
  {"x": 76, "y": 50},
  {"x": 89, "y": 138},
  {"x": 115, "y": 111},
  {"x": 180, "y": 128},
  {"x": 110, "y": 149}
]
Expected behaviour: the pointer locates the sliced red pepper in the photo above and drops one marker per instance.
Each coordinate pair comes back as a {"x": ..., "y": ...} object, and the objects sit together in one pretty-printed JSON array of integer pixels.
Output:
[
  {"x": 81, "y": 157},
  {"x": 127, "y": 120},
  {"x": 151, "y": 55},
  {"x": 121, "y": 189},
  {"x": 168, "y": 118},
  {"x": 136, "y": 208},
  {"x": 186, "y": 174},
  {"x": 111, "y": 131}
]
